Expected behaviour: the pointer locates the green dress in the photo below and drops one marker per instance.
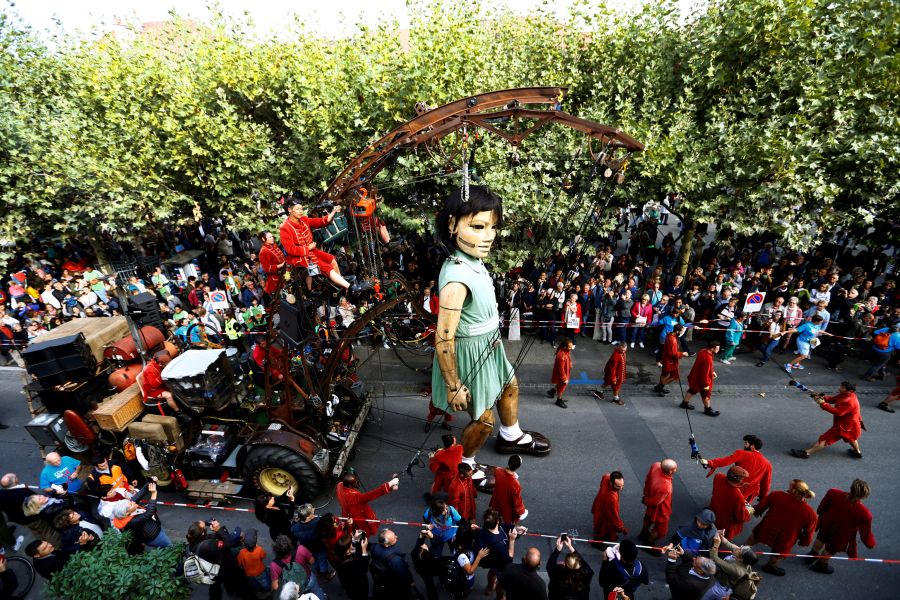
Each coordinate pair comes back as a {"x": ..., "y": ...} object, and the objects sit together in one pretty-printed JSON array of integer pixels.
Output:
[{"x": 480, "y": 360}]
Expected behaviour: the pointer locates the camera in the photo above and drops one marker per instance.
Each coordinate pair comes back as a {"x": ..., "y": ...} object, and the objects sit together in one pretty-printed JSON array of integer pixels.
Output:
[{"x": 564, "y": 537}]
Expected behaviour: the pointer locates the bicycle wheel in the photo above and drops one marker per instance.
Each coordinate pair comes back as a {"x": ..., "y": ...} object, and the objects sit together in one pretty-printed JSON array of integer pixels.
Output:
[{"x": 23, "y": 573}]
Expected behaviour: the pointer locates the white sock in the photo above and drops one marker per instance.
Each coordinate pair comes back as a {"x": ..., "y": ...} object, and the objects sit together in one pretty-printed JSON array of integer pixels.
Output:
[
  {"x": 477, "y": 474},
  {"x": 514, "y": 432},
  {"x": 469, "y": 460}
]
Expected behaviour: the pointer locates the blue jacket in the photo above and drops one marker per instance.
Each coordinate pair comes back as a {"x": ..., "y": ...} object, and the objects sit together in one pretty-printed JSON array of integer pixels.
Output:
[{"x": 734, "y": 332}]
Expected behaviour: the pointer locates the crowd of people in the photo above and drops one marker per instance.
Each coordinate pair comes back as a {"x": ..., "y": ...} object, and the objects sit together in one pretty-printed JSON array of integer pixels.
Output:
[{"x": 834, "y": 302}]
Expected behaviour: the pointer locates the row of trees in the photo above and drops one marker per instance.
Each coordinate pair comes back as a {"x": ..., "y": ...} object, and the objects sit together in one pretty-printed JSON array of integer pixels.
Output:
[{"x": 769, "y": 115}]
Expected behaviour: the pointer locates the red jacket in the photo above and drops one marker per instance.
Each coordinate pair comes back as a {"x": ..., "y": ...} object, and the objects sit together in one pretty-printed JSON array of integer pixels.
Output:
[
  {"x": 270, "y": 256},
  {"x": 701, "y": 375},
  {"x": 607, "y": 522},
  {"x": 840, "y": 520},
  {"x": 562, "y": 366},
  {"x": 645, "y": 311},
  {"x": 657, "y": 494},
  {"x": 461, "y": 495},
  {"x": 845, "y": 408},
  {"x": 728, "y": 503},
  {"x": 788, "y": 520},
  {"x": 614, "y": 371},
  {"x": 153, "y": 384},
  {"x": 296, "y": 238},
  {"x": 507, "y": 496},
  {"x": 355, "y": 505},
  {"x": 759, "y": 482},
  {"x": 444, "y": 465},
  {"x": 671, "y": 354}
]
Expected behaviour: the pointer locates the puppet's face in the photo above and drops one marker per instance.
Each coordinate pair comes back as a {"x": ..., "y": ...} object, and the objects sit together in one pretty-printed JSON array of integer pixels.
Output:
[{"x": 475, "y": 233}]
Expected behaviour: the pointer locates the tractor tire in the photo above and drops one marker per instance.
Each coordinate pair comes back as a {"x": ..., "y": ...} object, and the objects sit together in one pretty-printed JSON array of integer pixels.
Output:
[{"x": 272, "y": 468}]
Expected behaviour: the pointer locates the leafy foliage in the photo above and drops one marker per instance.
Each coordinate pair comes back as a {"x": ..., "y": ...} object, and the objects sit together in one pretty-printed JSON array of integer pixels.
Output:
[
  {"x": 109, "y": 567},
  {"x": 770, "y": 115}
]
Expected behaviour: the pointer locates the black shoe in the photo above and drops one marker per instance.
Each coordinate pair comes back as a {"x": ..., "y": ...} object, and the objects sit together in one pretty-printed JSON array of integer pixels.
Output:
[
  {"x": 854, "y": 453},
  {"x": 799, "y": 453},
  {"x": 709, "y": 412},
  {"x": 358, "y": 288},
  {"x": 760, "y": 363},
  {"x": 551, "y": 392},
  {"x": 561, "y": 403},
  {"x": 538, "y": 446},
  {"x": 2, "y": 426},
  {"x": 824, "y": 568},
  {"x": 686, "y": 405},
  {"x": 598, "y": 394},
  {"x": 427, "y": 427},
  {"x": 886, "y": 407},
  {"x": 772, "y": 570}
]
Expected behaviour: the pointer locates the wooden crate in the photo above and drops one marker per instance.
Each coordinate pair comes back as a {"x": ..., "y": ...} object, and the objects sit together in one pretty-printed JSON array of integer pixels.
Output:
[
  {"x": 99, "y": 332},
  {"x": 116, "y": 412}
]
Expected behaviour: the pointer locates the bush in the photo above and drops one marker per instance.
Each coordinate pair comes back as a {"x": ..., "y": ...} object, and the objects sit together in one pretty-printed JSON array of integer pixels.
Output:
[{"x": 108, "y": 571}]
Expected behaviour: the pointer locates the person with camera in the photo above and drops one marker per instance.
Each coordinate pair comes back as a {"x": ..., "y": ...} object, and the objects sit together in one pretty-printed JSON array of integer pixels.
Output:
[
  {"x": 352, "y": 564},
  {"x": 688, "y": 580},
  {"x": 735, "y": 578},
  {"x": 570, "y": 576},
  {"x": 305, "y": 531},
  {"x": 500, "y": 539},
  {"x": 621, "y": 573},
  {"x": 211, "y": 542}
]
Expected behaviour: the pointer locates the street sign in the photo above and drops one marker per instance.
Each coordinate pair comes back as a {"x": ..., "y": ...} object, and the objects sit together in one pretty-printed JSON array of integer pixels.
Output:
[
  {"x": 219, "y": 300},
  {"x": 754, "y": 302}
]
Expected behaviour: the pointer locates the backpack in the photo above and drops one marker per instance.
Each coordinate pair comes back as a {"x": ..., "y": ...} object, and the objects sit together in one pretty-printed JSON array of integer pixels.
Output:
[
  {"x": 379, "y": 578},
  {"x": 198, "y": 570},
  {"x": 882, "y": 340},
  {"x": 293, "y": 571},
  {"x": 745, "y": 587},
  {"x": 453, "y": 578}
]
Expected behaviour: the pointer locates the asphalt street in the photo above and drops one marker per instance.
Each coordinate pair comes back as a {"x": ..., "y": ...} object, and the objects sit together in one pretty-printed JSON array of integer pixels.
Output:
[{"x": 593, "y": 437}]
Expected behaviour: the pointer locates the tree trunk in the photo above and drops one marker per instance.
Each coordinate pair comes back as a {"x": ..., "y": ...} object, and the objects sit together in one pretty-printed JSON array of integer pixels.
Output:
[{"x": 687, "y": 245}]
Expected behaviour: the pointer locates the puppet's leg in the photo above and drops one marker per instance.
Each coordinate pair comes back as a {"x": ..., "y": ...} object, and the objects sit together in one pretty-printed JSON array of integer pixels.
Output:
[{"x": 512, "y": 440}]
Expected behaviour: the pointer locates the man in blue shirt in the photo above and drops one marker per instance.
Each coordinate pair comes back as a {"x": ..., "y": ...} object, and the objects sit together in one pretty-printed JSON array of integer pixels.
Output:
[
  {"x": 60, "y": 470},
  {"x": 885, "y": 342}
]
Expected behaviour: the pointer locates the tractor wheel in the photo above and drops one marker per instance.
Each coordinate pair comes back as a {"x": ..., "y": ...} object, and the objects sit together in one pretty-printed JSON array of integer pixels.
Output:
[{"x": 273, "y": 469}]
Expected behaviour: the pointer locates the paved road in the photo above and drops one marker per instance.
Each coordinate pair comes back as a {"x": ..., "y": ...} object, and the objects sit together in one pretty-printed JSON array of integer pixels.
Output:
[{"x": 592, "y": 437}]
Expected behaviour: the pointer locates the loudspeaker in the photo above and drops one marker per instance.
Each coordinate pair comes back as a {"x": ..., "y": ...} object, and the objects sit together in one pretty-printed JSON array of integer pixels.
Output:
[
  {"x": 144, "y": 310},
  {"x": 60, "y": 360},
  {"x": 289, "y": 323}
]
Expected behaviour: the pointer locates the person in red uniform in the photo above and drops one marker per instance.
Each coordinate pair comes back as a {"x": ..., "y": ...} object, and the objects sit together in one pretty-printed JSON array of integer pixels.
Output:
[
  {"x": 847, "y": 423},
  {"x": 759, "y": 480},
  {"x": 607, "y": 522},
  {"x": 355, "y": 504},
  {"x": 614, "y": 374},
  {"x": 658, "y": 500},
  {"x": 272, "y": 260},
  {"x": 727, "y": 501},
  {"x": 444, "y": 463},
  {"x": 787, "y": 519},
  {"x": 296, "y": 237},
  {"x": 562, "y": 369},
  {"x": 152, "y": 385},
  {"x": 461, "y": 493},
  {"x": 842, "y": 516},
  {"x": 700, "y": 381},
  {"x": 507, "y": 496},
  {"x": 268, "y": 358},
  {"x": 670, "y": 356},
  {"x": 892, "y": 396}
]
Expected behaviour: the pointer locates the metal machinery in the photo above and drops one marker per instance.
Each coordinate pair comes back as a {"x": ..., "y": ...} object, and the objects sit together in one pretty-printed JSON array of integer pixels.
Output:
[{"x": 295, "y": 421}]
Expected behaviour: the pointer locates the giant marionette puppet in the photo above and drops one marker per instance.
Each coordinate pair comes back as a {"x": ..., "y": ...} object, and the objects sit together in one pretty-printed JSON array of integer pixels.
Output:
[{"x": 471, "y": 370}]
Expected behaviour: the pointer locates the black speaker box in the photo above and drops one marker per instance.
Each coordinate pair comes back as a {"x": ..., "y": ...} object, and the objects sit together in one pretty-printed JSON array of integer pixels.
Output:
[
  {"x": 60, "y": 360},
  {"x": 289, "y": 323},
  {"x": 79, "y": 397},
  {"x": 144, "y": 310}
]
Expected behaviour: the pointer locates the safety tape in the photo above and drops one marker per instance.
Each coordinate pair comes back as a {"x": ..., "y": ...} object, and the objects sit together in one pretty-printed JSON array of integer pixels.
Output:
[{"x": 888, "y": 561}]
